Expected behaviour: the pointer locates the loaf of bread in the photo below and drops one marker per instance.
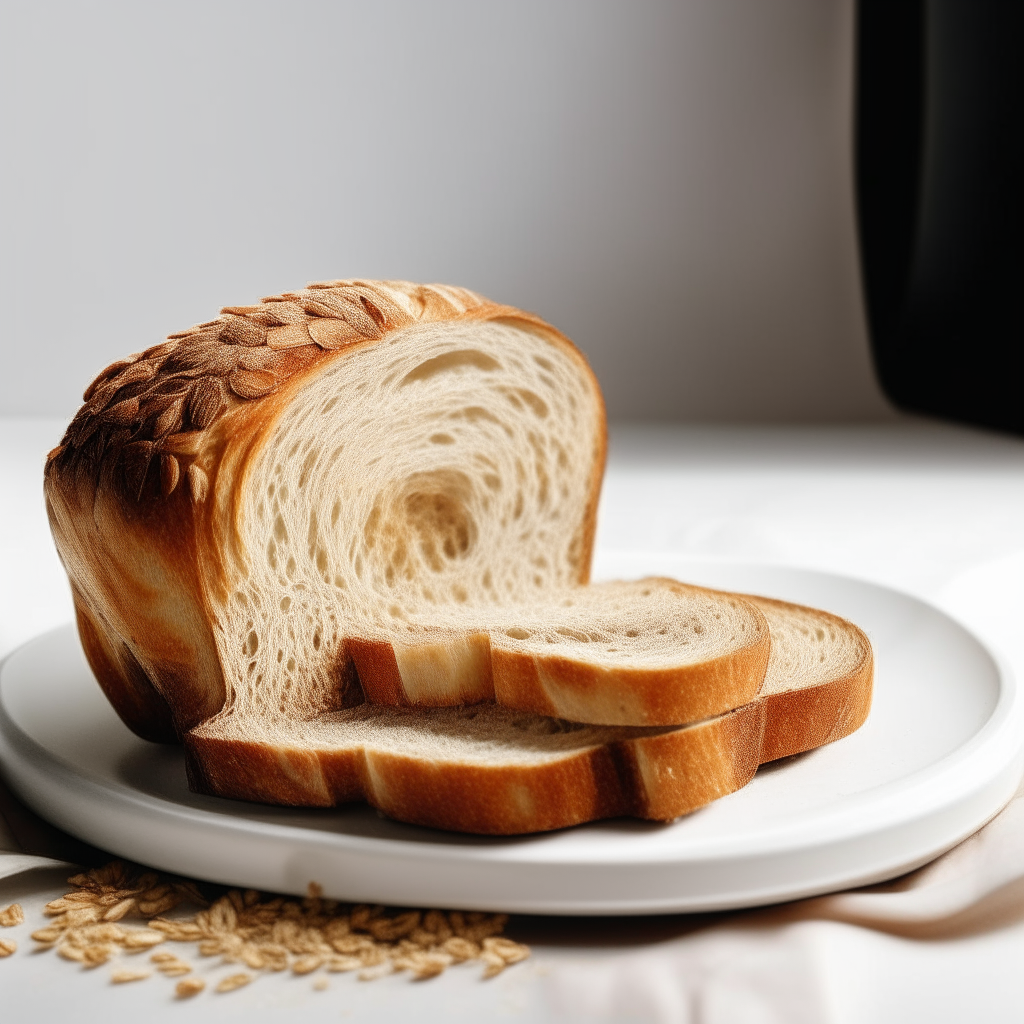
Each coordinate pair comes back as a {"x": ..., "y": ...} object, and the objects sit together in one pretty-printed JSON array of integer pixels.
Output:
[
  {"x": 232, "y": 505},
  {"x": 338, "y": 543},
  {"x": 257, "y": 509}
]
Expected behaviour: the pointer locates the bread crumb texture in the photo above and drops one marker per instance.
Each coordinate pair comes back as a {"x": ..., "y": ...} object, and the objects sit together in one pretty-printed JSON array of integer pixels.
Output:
[{"x": 256, "y": 932}]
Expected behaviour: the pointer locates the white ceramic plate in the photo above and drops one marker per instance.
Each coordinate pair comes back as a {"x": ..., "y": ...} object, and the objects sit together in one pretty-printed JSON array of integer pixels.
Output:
[{"x": 942, "y": 751}]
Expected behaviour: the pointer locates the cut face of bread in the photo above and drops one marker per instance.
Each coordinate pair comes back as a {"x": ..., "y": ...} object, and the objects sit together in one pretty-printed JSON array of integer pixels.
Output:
[
  {"x": 650, "y": 652},
  {"x": 234, "y": 504},
  {"x": 489, "y": 769}
]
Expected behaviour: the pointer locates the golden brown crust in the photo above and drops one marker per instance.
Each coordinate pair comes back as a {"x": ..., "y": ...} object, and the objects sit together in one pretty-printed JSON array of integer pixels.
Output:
[
  {"x": 566, "y": 687},
  {"x": 654, "y": 777},
  {"x": 658, "y": 777},
  {"x": 801, "y": 720}
]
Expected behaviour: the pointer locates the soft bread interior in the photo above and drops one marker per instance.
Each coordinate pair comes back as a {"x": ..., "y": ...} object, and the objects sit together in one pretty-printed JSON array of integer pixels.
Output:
[
  {"x": 654, "y": 624},
  {"x": 445, "y": 465}
]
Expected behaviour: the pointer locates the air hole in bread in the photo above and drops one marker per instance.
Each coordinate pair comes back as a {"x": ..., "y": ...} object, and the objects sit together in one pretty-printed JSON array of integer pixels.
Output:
[
  {"x": 536, "y": 404},
  {"x": 307, "y": 466},
  {"x": 632, "y": 632},
  {"x": 442, "y": 439},
  {"x": 449, "y": 362},
  {"x": 518, "y": 634},
  {"x": 286, "y": 603},
  {"x": 573, "y": 634}
]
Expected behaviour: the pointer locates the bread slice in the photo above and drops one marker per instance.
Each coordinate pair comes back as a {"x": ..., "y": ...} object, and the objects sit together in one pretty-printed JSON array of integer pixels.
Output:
[
  {"x": 488, "y": 769},
  {"x": 650, "y": 652},
  {"x": 819, "y": 680},
  {"x": 233, "y": 504}
]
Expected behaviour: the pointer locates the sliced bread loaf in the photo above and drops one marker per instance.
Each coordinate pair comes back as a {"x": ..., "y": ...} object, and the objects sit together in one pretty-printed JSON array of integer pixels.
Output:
[
  {"x": 650, "y": 652},
  {"x": 489, "y": 769},
  {"x": 233, "y": 504}
]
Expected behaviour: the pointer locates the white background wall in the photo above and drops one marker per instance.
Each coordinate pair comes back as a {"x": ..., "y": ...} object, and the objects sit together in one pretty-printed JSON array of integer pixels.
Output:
[{"x": 668, "y": 182}]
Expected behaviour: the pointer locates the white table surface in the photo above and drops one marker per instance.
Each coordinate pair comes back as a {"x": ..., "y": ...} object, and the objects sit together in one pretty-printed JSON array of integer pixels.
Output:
[{"x": 929, "y": 508}]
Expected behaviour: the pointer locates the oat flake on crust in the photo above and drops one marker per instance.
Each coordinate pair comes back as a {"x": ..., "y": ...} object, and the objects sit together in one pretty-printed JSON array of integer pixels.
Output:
[{"x": 143, "y": 416}]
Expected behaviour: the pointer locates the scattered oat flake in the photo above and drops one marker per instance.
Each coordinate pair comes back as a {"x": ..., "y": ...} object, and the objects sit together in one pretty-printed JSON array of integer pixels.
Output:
[
  {"x": 11, "y": 916},
  {"x": 170, "y": 965},
  {"x": 188, "y": 987},
  {"x": 125, "y": 974},
  {"x": 262, "y": 933},
  {"x": 321, "y": 985},
  {"x": 493, "y": 964},
  {"x": 7, "y": 947},
  {"x": 233, "y": 981}
]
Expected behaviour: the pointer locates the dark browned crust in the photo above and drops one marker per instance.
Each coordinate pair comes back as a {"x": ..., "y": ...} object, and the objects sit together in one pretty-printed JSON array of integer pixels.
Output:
[{"x": 123, "y": 681}]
